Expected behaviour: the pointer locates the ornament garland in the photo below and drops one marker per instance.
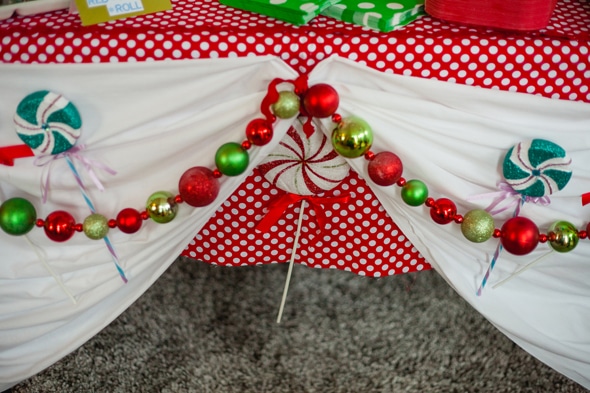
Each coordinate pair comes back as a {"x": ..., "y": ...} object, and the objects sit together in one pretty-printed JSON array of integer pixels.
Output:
[{"x": 351, "y": 137}]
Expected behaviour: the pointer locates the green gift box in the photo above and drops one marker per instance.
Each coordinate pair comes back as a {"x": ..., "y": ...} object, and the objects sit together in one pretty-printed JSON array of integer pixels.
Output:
[
  {"x": 296, "y": 12},
  {"x": 382, "y": 15}
]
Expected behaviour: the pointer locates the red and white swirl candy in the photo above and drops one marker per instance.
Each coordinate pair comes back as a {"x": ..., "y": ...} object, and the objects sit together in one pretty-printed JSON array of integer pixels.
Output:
[{"x": 304, "y": 166}]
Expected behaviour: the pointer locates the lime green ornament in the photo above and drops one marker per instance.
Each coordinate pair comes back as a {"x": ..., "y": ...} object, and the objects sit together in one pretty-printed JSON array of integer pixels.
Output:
[
  {"x": 566, "y": 236},
  {"x": 414, "y": 192},
  {"x": 161, "y": 207},
  {"x": 477, "y": 226},
  {"x": 287, "y": 105},
  {"x": 352, "y": 137},
  {"x": 231, "y": 159},
  {"x": 95, "y": 226},
  {"x": 17, "y": 216}
]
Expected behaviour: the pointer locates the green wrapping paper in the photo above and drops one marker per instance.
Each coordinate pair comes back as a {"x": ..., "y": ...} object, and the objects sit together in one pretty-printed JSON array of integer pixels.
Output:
[
  {"x": 382, "y": 15},
  {"x": 296, "y": 12}
]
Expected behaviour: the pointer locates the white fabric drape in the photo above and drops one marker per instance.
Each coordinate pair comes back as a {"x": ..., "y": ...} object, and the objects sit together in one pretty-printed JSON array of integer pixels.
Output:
[
  {"x": 152, "y": 121},
  {"x": 454, "y": 138},
  {"x": 149, "y": 122}
]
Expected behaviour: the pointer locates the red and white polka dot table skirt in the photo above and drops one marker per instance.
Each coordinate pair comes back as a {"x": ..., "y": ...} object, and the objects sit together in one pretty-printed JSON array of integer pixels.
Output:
[
  {"x": 359, "y": 236},
  {"x": 554, "y": 62}
]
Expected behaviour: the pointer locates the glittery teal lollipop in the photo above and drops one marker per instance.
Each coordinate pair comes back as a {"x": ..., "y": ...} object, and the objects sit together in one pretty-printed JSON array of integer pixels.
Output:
[
  {"x": 534, "y": 169},
  {"x": 50, "y": 124},
  {"x": 47, "y": 122},
  {"x": 537, "y": 168}
]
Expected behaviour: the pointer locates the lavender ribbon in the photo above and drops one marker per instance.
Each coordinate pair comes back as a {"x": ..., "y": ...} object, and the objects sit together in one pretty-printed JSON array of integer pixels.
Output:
[
  {"x": 73, "y": 154},
  {"x": 507, "y": 198}
]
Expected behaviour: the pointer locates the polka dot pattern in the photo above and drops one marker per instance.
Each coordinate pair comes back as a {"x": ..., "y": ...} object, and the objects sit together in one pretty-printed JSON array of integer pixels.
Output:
[
  {"x": 359, "y": 237},
  {"x": 554, "y": 62}
]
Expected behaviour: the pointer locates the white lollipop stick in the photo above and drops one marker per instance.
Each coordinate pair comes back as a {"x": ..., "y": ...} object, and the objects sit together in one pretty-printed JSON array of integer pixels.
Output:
[
  {"x": 50, "y": 270},
  {"x": 293, "y": 254},
  {"x": 527, "y": 267}
]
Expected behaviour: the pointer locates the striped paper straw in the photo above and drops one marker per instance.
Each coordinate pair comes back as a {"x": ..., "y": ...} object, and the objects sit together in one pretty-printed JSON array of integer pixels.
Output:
[
  {"x": 93, "y": 210},
  {"x": 497, "y": 253}
]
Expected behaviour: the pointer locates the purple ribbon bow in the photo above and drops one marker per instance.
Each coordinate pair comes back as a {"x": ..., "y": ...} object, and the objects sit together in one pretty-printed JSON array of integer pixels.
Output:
[
  {"x": 507, "y": 198},
  {"x": 71, "y": 155}
]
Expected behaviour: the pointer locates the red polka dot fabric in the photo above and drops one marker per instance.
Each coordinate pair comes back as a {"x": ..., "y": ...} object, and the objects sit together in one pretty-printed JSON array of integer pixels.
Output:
[
  {"x": 343, "y": 227},
  {"x": 359, "y": 236},
  {"x": 554, "y": 62}
]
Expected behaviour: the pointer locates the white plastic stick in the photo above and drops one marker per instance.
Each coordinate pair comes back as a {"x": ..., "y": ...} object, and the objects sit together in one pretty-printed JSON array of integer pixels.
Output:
[
  {"x": 50, "y": 270},
  {"x": 293, "y": 254},
  {"x": 527, "y": 267}
]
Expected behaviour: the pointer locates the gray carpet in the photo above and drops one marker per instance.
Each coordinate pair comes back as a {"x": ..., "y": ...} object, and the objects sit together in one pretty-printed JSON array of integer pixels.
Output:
[{"x": 203, "y": 328}]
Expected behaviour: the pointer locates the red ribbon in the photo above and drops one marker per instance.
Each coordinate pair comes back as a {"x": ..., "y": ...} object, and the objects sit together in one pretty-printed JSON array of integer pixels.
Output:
[
  {"x": 272, "y": 95},
  {"x": 585, "y": 198},
  {"x": 308, "y": 128},
  {"x": 279, "y": 205},
  {"x": 9, "y": 153}
]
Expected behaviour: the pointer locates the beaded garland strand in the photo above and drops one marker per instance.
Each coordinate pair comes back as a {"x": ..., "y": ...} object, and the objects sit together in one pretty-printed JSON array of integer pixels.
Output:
[{"x": 352, "y": 138}]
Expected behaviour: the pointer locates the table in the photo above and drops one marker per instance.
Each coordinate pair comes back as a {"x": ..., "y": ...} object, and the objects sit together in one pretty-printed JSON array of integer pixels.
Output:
[{"x": 553, "y": 63}]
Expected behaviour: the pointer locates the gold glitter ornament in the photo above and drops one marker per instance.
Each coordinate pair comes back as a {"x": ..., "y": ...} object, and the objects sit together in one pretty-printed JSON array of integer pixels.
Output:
[
  {"x": 96, "y": 226},
  {"x": 477, "y": 226},
  {"x": 286, "y": 106}
]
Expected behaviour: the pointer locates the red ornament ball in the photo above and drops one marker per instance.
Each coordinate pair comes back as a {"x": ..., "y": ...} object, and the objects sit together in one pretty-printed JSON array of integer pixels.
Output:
[
  {"x": 520, "y": 236},
  {"x": 198, "y": 186},
  {"x": 59, "y": 226},
  {"x": 321, "y": 100},
  {"x": 259, "y": 132},
  {"x": 129, "y": 220},
  {"x": 385, "y": 168},
  {"x": 443, "y": 211}
]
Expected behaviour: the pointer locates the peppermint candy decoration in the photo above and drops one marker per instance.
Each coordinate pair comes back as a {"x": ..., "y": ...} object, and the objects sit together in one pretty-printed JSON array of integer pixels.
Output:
[
  {"x": 47, "y": 122},
  {"x": 537, "y": 168},
  {"x": 304, "y": 166}
]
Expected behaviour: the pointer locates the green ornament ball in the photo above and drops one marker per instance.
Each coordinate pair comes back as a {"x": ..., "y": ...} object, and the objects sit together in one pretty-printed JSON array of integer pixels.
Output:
[
  {"x": 477, "y": 226},
  {"x": 161, "y": 207},
  {"x": 17, "y": 216},
  {"x": 414, "y": 192},
  {"x": 231, "y": 159},
  {"x": 95, "y": 226},
  {"x": 352, "y": 137},
  {"x": 566, "y": 236},
  {"x": 287, "y": 105}
]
